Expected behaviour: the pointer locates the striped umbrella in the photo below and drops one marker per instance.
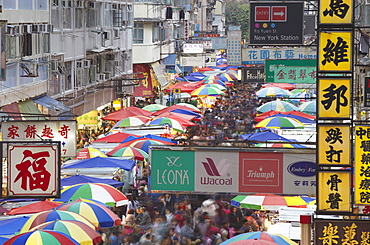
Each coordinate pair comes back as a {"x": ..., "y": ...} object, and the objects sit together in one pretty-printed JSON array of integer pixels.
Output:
[
  {"x": 280, "y": 122},
  {"x": 52, "y": 215},
  {"x": 261, "y": 235},
  {"x": 97, "y": 191},
  {"x": 268, "y": 202},
  {"x": 308, "y": 107},
  {"x": 212, "y": 85},
  {"x": 132, "y": 122},
  {"x": 42, "y": 238},
  {"x": 202, "y": 92},
  {"x": 273, "y": 92},
  {"x": 81, "y": 232},
  {"x": 89, "y": 152},
  {"x": 214, "y": 81},
  {"x": 129, "y": 151},
  {"x": 154, "y": 107},
  {"x": 168, "y": 121},
  {"x": 280, "y": 145},
  {"x": 277, "y": 105},
  {"x": 98, "y": 215}
]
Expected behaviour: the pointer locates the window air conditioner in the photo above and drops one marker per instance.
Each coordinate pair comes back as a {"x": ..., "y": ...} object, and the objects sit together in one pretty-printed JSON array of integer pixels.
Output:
[
  {"x": 87, "y": 63},
  {"x": 100, "y": 77}
]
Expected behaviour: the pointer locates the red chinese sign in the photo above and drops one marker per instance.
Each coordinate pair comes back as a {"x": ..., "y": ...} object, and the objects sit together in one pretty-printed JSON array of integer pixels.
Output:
[
  {"x": 145, "y": 87},
  {"x": 33, "y": 170},
  {"x": 63, "y": 131}
]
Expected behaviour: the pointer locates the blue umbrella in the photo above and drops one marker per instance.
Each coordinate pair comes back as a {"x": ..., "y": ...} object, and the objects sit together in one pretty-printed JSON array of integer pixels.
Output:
[
  {"x": 150, "y": 136},
  {"x": 12, "y": 226},
  {"x": 192, "y": 113},
  {"x": 197, "y": 74},
  {"x": 192, "y": 78},
  {"x": 78, "y": 179},
  {"x": 3, "y": 240},
  {"x": 101, "y": 162},
  {"x": 263, "y": 136}
]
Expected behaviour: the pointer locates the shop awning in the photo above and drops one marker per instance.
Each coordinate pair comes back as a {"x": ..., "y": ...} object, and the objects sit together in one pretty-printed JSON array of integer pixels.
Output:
[
  {"x": 159, "y": 73},
  {"x": 170, "y": 60},
  {"x": 12, "y": 110},
  {"x": 29, "y": 110},
  {"x": 52, "y": 104}
]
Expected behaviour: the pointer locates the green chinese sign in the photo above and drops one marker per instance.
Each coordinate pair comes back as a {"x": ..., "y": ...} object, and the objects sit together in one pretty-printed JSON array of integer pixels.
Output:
[
  {"x": 172, "y": 170},
  {"x": 270, "y": 66},
  {"x": 295, "y": 74}
]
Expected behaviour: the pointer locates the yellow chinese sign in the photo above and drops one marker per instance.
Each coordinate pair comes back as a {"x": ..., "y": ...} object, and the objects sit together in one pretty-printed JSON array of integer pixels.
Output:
[
  {"x": 334, "y": 144},
  {"x": 90, "y": 118},
  {"x": 334, "y": 192},
  {"x": 362, "y": 164},
  {"x": 334, "y": 98},
  {"x": 335, "y": 51},
  {"x": 336, "y": 12},
  {"x": 345, "y": 232}
]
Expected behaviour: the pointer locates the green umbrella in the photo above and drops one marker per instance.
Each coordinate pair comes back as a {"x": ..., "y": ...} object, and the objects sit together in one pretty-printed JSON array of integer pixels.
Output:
[
  {"x": 308, "y": 107},
  {"x": 154, "y": 107}
]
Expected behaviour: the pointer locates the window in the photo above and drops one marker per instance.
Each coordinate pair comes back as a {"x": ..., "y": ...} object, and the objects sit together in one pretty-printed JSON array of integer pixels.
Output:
[
  {"x": 41, "y": 4},
  {"x": 138, "y": 33},
  {"x": 117, "y": 16},
  {"x": 46, "y": 43},
  {"x": 130, "y": 16},
  {"x": 107, "y": 14},
  {"x": 67, "y": 14},
  {"x": 9, "y": 4},
  {"x": 24, "y": 4},
  {"x": 79, "y": 15},
  {"x": 27, "y": 44},
  {"x": 68, "y": 80},
  {"x": 11, "y": 51},
  {"x": 155, "y": 32},
  {"x": 55, "y": 15},
  {"x": 92, "y": 15}
]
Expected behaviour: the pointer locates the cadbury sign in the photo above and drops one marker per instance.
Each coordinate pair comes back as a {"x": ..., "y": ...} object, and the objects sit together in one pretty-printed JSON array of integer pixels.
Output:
[{"x": 232, "y": 171}]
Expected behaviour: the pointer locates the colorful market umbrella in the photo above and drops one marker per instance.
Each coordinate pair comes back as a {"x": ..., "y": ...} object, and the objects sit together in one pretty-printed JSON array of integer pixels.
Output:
[
  {"x": 280, "y": 122},
  {"x": 228, "y": 77},
  {"x": 214, "y": 81},
  {"x": 79, "y": 231},
  {"x": 308, "y": 107},
  {"x": 299, "y": 118},
  {"x": 42, "y": 237},
  {"x": 34, "y": 208},
  {"x": 273, "y": 92},
  {"x": 176, "y": 107},
  {"x": 126, "y": 112},
  {"x": 280, "y": 145},
  {"x": 301, "y": 95},
  {"x": 129, "y": 151},
  {"x": 79, "y": 179},
  {"x": 189, "y": 106},
  {"x": 46, "y": 216},
  {"x": 131, "y": 122},
  {"x": 100, "y": 216},
  {"x": 277, "y": 105},
  {"x": 114, "y": 138},
  {"x": 12, "y": 226},
  {"x": 261, "y": 235},
  {"x": 97, "y": 191},
  {"x": 251, "y": 242},
  {"x": 287, "y": 86},
  {"x": 211, "y": 85},
  {"x": 154, "y": 107},
  {"x": 89, "y": 152},
  {"x": 144, "y": 144},
  {"x": 181, "y": 118},
  {"x": 267, "y": 202},
  {"x": 167, "y": 121},
  {"x": 202, "y": 92}
]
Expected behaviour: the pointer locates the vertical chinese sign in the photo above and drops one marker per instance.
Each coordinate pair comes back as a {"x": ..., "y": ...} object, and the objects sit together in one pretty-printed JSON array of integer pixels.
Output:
[
  {"x": 33, "y": 170},
  {"x": 361, "y": 166},
  {"x": 334, "y": 106}
]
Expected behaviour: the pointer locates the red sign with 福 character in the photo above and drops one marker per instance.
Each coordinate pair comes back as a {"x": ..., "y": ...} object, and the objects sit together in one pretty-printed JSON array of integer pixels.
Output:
[{"x": 33, "y": 170}]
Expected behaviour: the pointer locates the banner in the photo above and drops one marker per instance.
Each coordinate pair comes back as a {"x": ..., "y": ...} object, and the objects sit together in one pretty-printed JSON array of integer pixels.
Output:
[
  {"x": 270, "y": 66},
  {"x": 144, "y": 88}
]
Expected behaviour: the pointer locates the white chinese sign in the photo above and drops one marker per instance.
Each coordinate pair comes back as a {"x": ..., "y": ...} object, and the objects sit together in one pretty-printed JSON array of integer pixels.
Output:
[
  {"x": 63, "y": 131},
  {"x": 33, "y": 170},
  {"x": 192, "y": 48}
]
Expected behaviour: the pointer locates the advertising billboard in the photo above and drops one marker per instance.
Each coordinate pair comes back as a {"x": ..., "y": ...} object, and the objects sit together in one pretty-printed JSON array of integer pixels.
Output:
[{"x": 233, "y": 171}]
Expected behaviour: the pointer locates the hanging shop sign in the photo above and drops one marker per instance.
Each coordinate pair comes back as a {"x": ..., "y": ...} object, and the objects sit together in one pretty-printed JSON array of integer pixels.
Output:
[
  {"x": 334, "y": 191},
  {"x": 335, "y": 51},
  {"x": 334, "y": 144},
  {"x": 334, "y": 98},
  {"x": 336, "y": 13}
]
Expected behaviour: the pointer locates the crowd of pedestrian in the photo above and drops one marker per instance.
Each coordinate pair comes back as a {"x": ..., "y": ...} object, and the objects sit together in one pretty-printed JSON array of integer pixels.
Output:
[{"x": 164, "y": 219}]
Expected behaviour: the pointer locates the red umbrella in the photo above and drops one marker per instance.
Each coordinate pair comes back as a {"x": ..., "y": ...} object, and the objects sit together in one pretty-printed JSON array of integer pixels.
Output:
[
  {"x": 265, "y": 114},
  {"x": 126, "y": 112},
  {"x": 180, "y": 119},
  {"x": 114, "y": 138},
  {"x": 175, "y": 107},
  {"x": 287, "y": 86},
  {"x": 139, "y": 140},
  {"x": 34, "y": 208},
  {"x": 298, "y": 113},
  {"x": 185, "y": 87},
  {"x": 206, "y": 69},
  {"x": 175, "y": 115}
]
